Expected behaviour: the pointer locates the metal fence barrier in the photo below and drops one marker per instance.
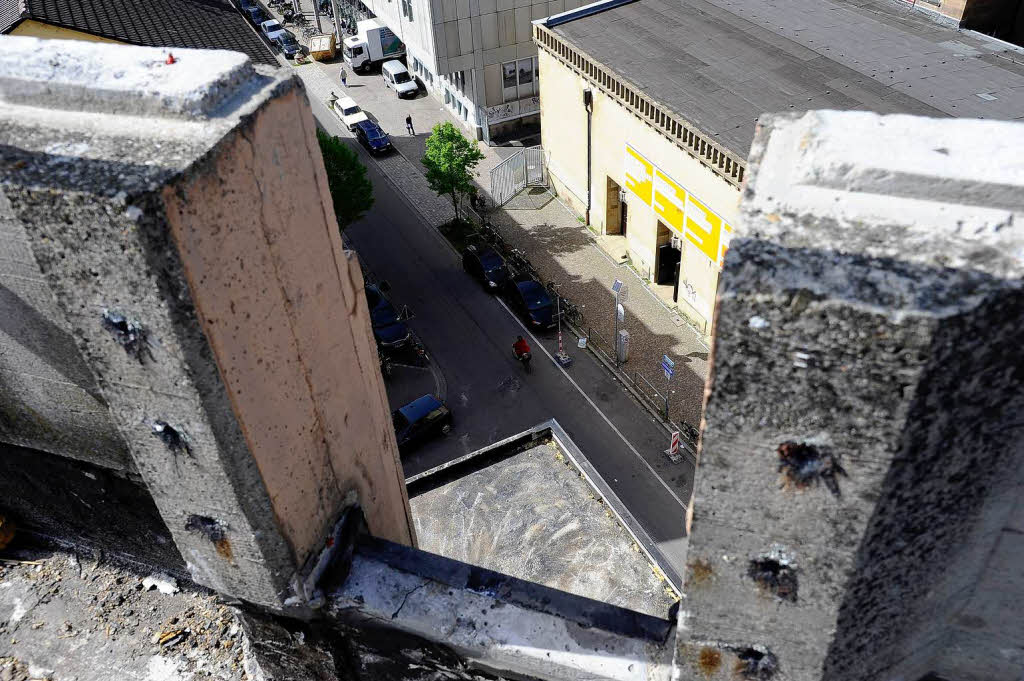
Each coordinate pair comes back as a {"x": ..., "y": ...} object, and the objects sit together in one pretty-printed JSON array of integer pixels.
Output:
[{"x": 525, "y": 168}]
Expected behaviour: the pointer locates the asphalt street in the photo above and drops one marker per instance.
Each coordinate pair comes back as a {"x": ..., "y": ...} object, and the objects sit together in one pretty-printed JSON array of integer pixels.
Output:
[{"x": 468, "y": 334}]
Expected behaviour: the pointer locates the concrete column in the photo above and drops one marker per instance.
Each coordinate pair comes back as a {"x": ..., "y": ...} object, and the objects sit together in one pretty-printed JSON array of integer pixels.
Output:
[
  {"x": 178, "y": 209},
  {"x": 854, "y": 515}
]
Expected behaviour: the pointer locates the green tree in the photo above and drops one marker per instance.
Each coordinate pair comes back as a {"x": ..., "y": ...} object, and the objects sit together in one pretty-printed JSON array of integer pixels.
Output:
[
  {"x": 351, "y": 190},
  {"x": 450, "y": 159}
]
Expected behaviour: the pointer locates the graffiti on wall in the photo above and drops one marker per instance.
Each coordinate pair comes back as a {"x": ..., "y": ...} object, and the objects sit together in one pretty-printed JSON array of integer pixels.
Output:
[{"x": 677, "y": 207}]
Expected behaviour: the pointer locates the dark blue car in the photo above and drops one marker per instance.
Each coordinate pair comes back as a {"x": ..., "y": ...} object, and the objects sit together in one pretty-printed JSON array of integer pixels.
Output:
[
  {"x": 287, "y": 44},
  {"x": 372, "y": 137},
  {"x": 531, "y": 301},
  {"x": 256, "y": 15},
  {"x": 388, "y": 328},
  {"x": 485, "y": 265},
  {"x": 419, "y": 420}
]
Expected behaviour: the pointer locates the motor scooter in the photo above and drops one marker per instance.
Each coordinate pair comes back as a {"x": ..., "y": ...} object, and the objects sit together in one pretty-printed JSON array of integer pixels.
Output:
[{"x": 524, "y": 358}]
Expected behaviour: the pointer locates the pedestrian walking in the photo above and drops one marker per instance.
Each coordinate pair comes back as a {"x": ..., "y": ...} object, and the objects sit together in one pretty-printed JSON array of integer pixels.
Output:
[
  {"x": 344, "y": 77},
  {"x": 408, "y": 126}
]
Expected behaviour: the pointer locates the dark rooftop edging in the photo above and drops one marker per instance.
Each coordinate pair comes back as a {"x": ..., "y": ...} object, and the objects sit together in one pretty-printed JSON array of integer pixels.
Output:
[
  {"x": 580, "y": 12},
  {"x": 433, "y": 478},
  {"x": 586, "y": 612}
]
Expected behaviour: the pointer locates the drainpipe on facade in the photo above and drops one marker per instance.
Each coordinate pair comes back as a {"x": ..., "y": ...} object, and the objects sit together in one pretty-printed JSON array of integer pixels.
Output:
[{"x": 588, "y": 104}]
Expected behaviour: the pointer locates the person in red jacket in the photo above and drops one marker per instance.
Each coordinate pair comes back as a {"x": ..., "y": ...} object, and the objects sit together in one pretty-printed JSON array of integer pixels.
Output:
[{"x": 521, "y": 347}]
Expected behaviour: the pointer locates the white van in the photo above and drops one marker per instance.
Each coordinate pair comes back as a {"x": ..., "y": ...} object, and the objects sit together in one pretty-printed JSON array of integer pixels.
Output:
[
  {"x": 397, "y": 77},
  {"x": 349, "y": 112}
]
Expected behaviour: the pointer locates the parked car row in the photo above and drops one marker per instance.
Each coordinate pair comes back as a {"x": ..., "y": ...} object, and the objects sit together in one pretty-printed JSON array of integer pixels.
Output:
[
  {"x": 524, "y": 294},
  {"x": 367, "y": 132},
  {"x": 270, "y": 28},
  {"x": 428, "y": 417},
  {"x": 425, "y": 417}
]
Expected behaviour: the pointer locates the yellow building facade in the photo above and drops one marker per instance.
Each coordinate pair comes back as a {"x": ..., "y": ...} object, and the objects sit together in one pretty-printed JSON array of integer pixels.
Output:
[{"x": 668, "y": 192}]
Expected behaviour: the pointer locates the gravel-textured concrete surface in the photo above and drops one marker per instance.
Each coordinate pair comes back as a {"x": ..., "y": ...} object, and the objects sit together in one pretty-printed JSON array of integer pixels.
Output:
[
  {"x": 533, "y": 516},
  {"x": 66, "y": 617}
]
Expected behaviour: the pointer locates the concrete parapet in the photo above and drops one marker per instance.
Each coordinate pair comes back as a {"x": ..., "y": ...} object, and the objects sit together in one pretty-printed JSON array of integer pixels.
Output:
[
  {"x": 860, "y": 458},
  {"x": 411, "y": 615},
  {"x": 178, "y": 210}
]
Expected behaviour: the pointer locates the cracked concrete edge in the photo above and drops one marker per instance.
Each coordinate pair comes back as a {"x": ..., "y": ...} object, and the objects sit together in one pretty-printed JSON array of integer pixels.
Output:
[{"x": 493, "y": 623}]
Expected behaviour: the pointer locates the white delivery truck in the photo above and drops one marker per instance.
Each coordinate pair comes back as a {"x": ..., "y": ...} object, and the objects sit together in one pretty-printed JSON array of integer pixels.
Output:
[{"x": 373, "y": 43}]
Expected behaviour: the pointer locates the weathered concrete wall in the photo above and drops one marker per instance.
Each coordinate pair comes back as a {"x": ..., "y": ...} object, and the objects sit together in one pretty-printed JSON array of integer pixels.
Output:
[
  {"x": 860, "y": 456},
  {"x": 49, "y": 399},
  {"x": 179, "y": 213}
]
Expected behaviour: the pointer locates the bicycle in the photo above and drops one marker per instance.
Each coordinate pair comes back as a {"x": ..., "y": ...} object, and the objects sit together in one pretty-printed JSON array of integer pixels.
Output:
[
  {"x": 495, "y": 239},
  {"x": 519, "y": 260},
  {"x": 571, "y": 313}
]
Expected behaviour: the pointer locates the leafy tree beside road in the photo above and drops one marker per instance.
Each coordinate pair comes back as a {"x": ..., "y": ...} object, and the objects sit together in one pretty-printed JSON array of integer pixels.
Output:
[
  {"x": 450, "y": 159},
  {"x": 351, "y": 190}
]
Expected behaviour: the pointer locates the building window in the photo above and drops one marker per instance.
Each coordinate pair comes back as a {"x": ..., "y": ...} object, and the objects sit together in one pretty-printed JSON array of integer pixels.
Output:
[
  {"x": 406, "y": 9},
  {"x": 525, "y": 78},
  {"x": 519, "y": 79},
  {"x": 508, "y": 74}
]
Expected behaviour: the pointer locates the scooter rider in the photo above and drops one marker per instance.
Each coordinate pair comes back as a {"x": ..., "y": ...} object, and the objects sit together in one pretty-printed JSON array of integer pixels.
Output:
[{"x": 521, "y": 347}]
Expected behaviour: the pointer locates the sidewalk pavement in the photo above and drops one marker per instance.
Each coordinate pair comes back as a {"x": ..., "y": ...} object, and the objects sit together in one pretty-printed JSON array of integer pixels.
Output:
[{"x": 561, "y": 248}]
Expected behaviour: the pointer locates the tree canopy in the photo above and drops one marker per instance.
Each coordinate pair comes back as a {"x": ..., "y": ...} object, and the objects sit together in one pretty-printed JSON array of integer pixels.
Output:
[
  {"x": 450, "y": 159},
  {"x": 351, "y": 189}
]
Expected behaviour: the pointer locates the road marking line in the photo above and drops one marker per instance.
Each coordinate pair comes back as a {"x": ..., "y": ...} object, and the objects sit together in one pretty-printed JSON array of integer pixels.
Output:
[{"x": 591, "y": 403}]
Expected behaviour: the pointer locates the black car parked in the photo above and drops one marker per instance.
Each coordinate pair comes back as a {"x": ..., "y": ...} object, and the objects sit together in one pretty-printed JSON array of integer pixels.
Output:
[
  {"x": 371, "y": 136},
  {"x": 389, "y": 330},
  {"x": 531, "y": 301},
  {"x": 421, "y": 419},
  {"x": 256, "y": 15},
  {"x": 288, "y": 45},
  {"x": 485, "y": 265}
]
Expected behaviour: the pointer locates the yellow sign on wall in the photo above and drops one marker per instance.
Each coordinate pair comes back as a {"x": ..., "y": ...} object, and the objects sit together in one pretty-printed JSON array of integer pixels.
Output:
[
  {"x": 638, "y": 171},
  {"x": 678, "y": 208},
  {"x": 669, "y": 200}
]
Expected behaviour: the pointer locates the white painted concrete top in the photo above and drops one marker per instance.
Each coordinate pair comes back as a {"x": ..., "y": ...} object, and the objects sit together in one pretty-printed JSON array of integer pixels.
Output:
[
  {"x": 947, "y": 192},
  {"x": 100, "y": 77}
]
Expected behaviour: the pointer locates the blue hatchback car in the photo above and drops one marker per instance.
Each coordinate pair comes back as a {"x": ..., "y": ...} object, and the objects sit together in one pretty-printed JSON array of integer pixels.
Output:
[
  {"x": 421, "y": 419},
  {"x": 389, "y": 329},
  {"x": 531, "y": 301},
  {"x": 371, "y": 136}
]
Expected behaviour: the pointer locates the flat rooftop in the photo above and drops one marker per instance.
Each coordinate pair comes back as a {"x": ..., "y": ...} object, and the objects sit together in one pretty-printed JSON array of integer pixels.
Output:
[
  {"x": 532, "y": 515},
  {"x": 722, "y": 63}
]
